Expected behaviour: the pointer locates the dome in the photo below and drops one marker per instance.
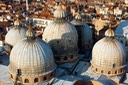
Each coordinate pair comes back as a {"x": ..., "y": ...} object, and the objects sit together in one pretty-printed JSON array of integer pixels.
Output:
[
  {"x": 62, "y": 37},
  {"x": 85, "y": 40},
  {"x": 122, "y": 28},
  {"x": 15, "y": 34},
  {"x": 108, "y": 56},
  {"x": 121, "y": 34},
  {"x": 121, "y": 31},
  {"x": 32, "y": 59},
  {"x": 87, "y": 36}
]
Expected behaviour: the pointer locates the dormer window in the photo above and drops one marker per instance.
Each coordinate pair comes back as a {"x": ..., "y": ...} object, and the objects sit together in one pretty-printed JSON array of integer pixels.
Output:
[{"x": 114, "y": 65}]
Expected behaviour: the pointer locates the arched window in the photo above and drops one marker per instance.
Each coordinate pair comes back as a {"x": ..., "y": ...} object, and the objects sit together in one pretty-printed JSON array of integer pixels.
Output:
[
  {"x": 102, "y": 71},
  {"x": 19, "y": 71},
  {"x": 121, "y": 70},
  {"x": 44, "y": 78},
  {"x": 36, "y": 80},
  {"x": 71, "y": 56},
  {"x": 114, "y": 65},
  {"x": 65, "y": 58},
  {"x": 11, "y": 76},
  {"x": 115, "y": 72},
  {"x": 96, "y": 69},
  {"x": 109, "y": 72},
  {"x": 121, "y": 41},
  {"x": 57, "y": 41},
  {"x": 52, "y": 74},
  {"x": 26, "y": 81}
]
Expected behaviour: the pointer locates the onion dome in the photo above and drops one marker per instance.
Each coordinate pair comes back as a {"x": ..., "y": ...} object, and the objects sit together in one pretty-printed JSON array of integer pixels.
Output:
[
  {"x": 108, "y": 56},
  {"x": 14, "y": 35},
  {"x": 31, "y": 60},
  {"x": 62, "y": 37},
  {"x": 109, "y": 33},
  {"x": 85, "y": 40}
]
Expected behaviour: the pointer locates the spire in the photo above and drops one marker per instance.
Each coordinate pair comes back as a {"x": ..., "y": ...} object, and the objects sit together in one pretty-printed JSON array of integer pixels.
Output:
[{"x": 109, "y": 32}]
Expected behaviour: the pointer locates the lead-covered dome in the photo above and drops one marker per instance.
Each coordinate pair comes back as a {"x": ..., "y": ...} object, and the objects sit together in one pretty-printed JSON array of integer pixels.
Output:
[
  {"x": 62, "y": 37},
  {"x": 15, "y": 34},
  {"x": 85, "y": 40},
  {"x": 31, "y": 59},
  {"x": 121, "y": 34},
  {"x": 108, "y": 55},
  {"x": 122, "y": 28}
]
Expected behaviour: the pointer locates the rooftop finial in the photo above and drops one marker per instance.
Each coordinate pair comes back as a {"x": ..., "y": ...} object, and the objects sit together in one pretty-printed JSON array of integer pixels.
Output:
[
  {"x": 60, "y": 12},
  {"x": 110, "y": 26},
  {"x": 30, "y": 33},
  {"x": 17, "y": 21},
  {"x": 109, "y": 32}
]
